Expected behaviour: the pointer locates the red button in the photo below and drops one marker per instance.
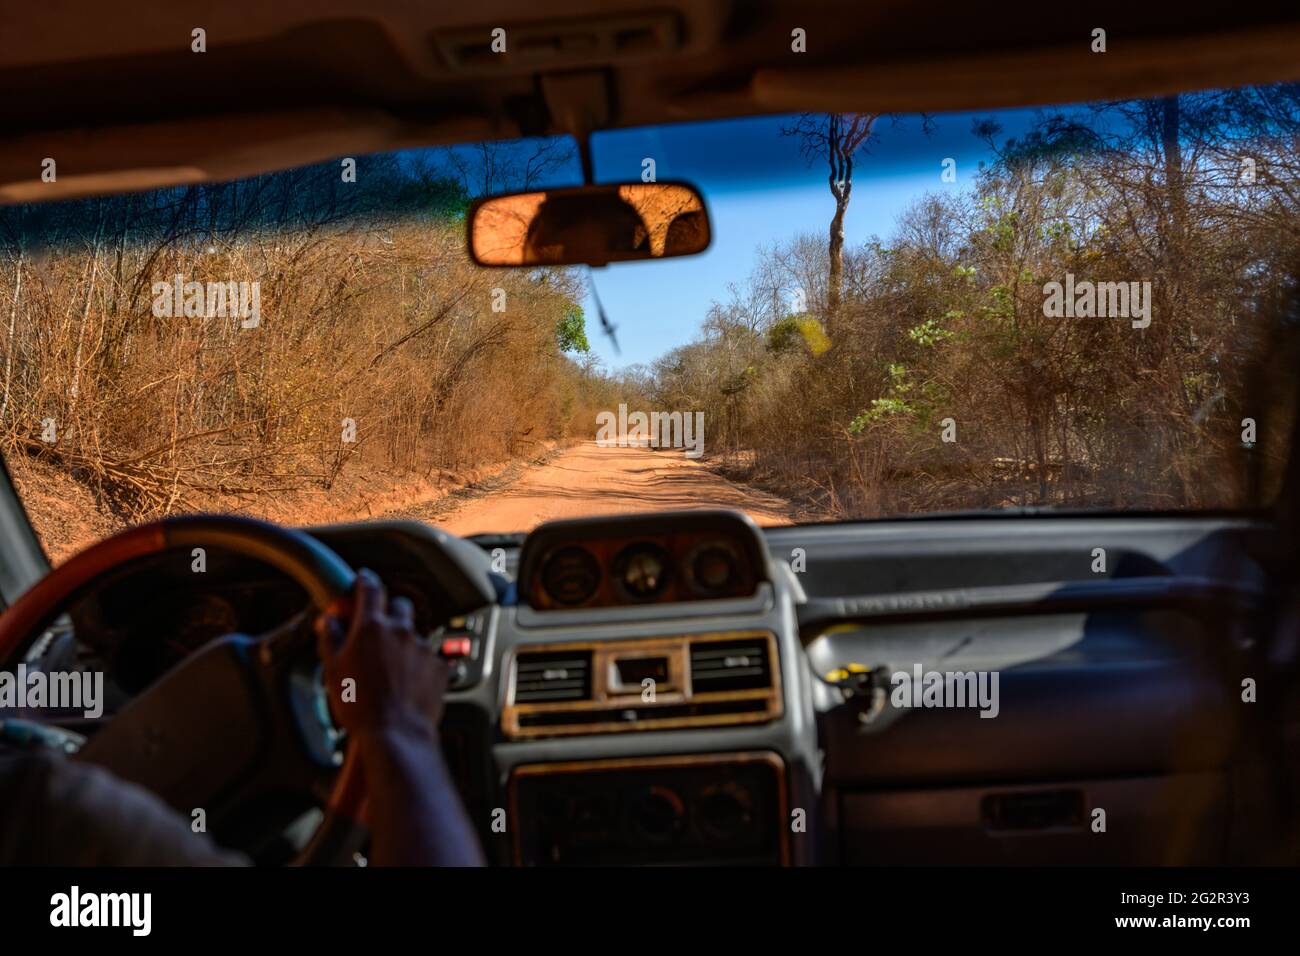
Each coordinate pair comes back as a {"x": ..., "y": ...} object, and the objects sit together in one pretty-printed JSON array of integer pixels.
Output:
[{"x": 455, "y": 647}]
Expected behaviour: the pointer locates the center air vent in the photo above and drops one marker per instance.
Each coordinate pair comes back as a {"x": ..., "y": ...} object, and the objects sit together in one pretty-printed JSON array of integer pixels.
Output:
[
  {"x": 551, "y": 677},
  {"x": 729, "y": 665},
  {"x": 599, "y": 687}
]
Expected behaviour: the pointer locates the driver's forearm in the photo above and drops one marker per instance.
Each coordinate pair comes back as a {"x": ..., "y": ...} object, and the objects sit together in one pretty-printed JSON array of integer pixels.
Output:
[{"x": 416, "y": 816}]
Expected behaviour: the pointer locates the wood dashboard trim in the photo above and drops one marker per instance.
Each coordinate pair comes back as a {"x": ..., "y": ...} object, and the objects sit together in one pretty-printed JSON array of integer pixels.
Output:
[
  {"x": 768, "y": 757},
  {"x": 676, "y": 649}
]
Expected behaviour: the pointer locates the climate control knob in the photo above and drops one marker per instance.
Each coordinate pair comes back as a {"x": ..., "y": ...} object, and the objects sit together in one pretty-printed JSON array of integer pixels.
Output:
[
  {"x": 724, "y": 812},
  {"x": 656, "y": 815}
]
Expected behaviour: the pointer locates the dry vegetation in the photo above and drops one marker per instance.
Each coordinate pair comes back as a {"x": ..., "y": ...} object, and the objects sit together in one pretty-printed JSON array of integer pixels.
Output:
[
  {"x": 845, "y": 401},
  {"x": 370, "y": 313}
]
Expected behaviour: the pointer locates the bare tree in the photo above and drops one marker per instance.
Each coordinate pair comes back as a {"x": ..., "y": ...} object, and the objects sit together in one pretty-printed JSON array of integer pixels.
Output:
[
  {"x": 839, "y": 138},
  {"x": 836, "y": 138},
  {"x": 492, "y": 167}
]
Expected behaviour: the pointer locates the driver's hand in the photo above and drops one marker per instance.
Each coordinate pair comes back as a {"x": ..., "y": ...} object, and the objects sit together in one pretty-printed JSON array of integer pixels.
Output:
[{"x": 379, "y": 676}]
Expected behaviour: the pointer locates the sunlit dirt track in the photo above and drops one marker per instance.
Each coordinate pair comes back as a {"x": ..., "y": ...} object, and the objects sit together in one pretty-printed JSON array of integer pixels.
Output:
[{"x": 590, "y": 480}]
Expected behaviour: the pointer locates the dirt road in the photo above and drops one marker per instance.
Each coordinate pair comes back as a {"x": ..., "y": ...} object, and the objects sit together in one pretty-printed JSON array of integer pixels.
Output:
[{"x": 589, "y": 480}]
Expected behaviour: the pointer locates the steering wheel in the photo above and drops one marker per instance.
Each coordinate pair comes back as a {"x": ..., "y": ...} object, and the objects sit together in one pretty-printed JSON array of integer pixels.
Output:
[{"x": 245, "y": 686}]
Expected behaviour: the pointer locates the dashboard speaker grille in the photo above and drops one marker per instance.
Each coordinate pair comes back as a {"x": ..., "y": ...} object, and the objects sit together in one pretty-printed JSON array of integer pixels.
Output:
[
  {"x": 550, "y": 677},
  {"x": 730, "y": 665}
]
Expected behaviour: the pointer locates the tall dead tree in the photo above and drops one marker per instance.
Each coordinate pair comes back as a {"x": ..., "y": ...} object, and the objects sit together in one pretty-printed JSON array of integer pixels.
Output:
[{"x": 837, "y": 138}]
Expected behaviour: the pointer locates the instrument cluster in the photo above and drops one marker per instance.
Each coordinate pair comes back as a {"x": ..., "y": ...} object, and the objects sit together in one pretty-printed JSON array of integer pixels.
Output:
[{"x": 569, "y": 566}]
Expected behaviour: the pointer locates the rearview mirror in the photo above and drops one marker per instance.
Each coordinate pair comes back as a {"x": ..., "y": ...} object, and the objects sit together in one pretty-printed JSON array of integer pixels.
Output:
[{"x": 588, "y": 225}]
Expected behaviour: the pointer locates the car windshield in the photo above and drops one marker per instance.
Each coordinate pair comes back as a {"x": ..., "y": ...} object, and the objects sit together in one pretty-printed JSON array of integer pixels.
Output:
[{"x": 1067, "y": 308}]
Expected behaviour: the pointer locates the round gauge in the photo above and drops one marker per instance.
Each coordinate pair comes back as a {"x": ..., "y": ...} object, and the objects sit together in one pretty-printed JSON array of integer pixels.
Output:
[
  {"x": 571, "y": 575},
  {"x": 715, "y": 568},
  {"x": 642, "y": 570}
]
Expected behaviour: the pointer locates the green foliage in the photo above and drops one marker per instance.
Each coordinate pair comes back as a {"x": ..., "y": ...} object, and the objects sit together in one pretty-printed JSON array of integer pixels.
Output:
[
  {"x": 1001, "y": 303},
  {"x": 930, "y": 332},
  {"x": 571, "y": 332},
  {"x": 944, "y": 319},
  {"x": 443, "y": 198},
  {"x": 783, "y": 335},
  {"x": 894, "y": 403},
  {"x": 791, "y": 330},
  {"x": 881, "y": 408}
]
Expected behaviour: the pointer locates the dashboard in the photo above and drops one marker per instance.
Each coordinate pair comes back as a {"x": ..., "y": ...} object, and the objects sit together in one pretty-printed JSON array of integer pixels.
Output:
[
  {"x": 670, "y": 689},
  {"x": 632, "y": 560}
]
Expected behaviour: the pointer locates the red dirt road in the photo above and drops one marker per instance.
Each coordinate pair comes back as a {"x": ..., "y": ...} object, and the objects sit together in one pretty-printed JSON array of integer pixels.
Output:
[{"x": 590, "y": 480}]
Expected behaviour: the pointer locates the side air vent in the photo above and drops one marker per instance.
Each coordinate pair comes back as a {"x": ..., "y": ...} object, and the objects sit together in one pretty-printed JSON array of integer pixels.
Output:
[
  {"x": 730, "y": 665},
  {"x": 552, "y": 676}
]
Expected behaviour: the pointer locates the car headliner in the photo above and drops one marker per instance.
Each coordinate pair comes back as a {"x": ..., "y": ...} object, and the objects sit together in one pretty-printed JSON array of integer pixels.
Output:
[{"x": 114, "y": 93}]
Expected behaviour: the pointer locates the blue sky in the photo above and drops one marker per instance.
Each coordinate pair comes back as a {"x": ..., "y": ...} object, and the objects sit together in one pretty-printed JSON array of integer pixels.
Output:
[{"x": 759, "y": 191}]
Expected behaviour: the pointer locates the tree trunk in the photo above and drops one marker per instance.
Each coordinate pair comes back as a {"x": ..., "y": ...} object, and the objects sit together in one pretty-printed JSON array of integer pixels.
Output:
[
  {"x": 1173, "y": 150},
  {"x": 835, "y": 251},
  {"x": 13, "y": 320}
]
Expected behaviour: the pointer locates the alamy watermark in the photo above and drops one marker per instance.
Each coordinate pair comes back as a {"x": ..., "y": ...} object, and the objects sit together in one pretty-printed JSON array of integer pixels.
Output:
[
  {"x": 1102, "y": 300},
  {"x": 133, "y": 911},
  {"x": 200, "y": 300},
  {"x": 59, "y": 690},
  {"x": 925, "y": 689},
  {"x": 656, "y": 429}
]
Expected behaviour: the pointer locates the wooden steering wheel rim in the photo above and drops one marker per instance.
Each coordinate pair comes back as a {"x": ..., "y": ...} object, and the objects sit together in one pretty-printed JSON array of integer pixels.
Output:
[{"x": 325, "y": 577}]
